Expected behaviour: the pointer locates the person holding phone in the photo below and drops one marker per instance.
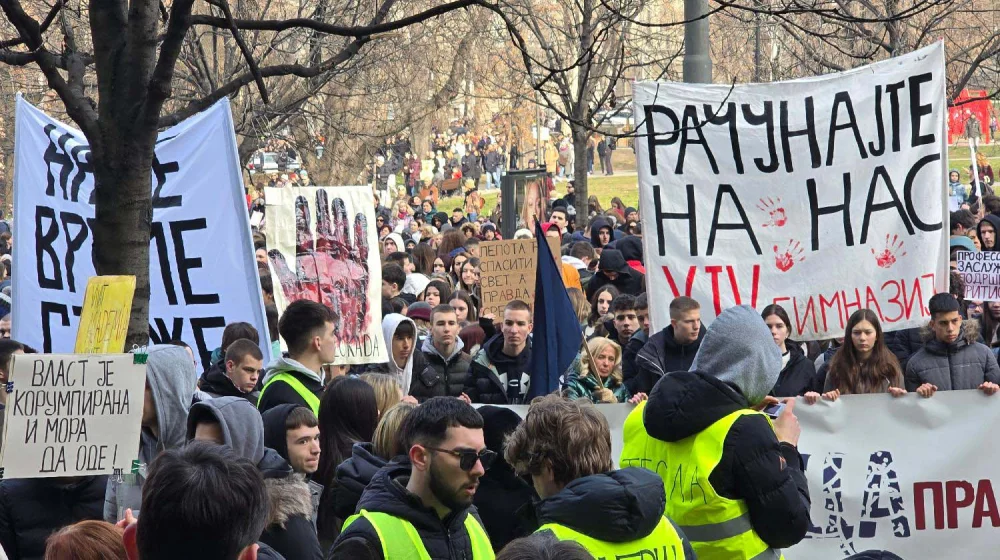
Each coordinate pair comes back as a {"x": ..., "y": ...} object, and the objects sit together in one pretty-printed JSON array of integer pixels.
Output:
[
  {"x": 753, "y": 498},
  {"x": 863, "y": 365}
]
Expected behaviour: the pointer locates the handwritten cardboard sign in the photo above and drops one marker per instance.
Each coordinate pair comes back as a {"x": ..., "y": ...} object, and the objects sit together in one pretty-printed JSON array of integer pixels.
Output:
[
  {"x": 104, "y": 320},
  {"x": 72, "y": 414},
  {"x": 507, "y": 272}
]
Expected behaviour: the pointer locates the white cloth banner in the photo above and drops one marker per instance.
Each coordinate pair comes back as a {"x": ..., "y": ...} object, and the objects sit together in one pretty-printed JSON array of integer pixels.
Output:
[
  {"x": 202, "y": 272},
  {"x": 824, "y": 195},
  {"x": 323, "y": 247},
  {"x": 911, "y": 475}
]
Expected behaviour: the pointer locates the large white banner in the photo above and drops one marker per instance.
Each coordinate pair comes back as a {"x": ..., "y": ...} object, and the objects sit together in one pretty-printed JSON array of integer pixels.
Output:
[
  {"x": 823, "y": 195},
  {"x": 323, "y": 247},
  {"x": 202, "y": 272},
  {"x": 908, "y": 475}
]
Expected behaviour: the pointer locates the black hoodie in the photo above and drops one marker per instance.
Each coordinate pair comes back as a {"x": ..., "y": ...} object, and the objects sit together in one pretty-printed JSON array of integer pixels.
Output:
[
  {"x": 662, "y": 355},
  {"x": 495, "y": 377},
  {"x": 995, "y": 221},
  {"x": 755, "y": 467},
  {"x": 443, "y": 538},
  {"x": 628, "y": 281},
  {"x": 797, "y": 376},
  {"x": 616, "y": 507}
]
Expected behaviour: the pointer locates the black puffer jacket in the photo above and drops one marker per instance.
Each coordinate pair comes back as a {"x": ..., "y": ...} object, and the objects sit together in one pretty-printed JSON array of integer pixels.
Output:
[
  {"x": 496, "y": 378},
  {"x": 444, "y": 539},
  {"x": 629, "y": 281},
  {"x": 630, "y": 371},
  {"x": 962, "y": 364},
  {"x": 904, "y": 344},
  {"x": 754, "y": 467},
  {"x": 440, "y": 377},
  {"x": 617, "y": 507},
  {"x": 31, "y": 509},
  {"x": 662, "y": 355},
  {"x": 797, "y": 376},
  {"x": 215, "y": 382},
  {"x": 353, "y": 476}
]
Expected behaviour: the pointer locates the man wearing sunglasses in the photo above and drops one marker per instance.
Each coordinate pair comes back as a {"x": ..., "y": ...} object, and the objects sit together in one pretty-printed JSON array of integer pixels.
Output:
[
  {"x": 566, "y": 448},
  {"x": 423, "y": 509}
]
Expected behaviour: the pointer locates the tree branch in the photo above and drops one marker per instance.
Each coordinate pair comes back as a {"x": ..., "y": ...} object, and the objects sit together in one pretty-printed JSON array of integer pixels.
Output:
[{"x": 247, "y": 55}]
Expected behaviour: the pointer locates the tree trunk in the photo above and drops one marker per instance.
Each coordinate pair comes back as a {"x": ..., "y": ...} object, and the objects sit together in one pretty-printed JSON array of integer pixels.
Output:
[
  {"x": 124, "y": 216},
  {"x": 580, "y": 173}
]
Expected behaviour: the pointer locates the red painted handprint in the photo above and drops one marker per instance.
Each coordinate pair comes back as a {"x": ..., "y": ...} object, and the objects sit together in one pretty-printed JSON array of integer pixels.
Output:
[
  {"x": 887, "y": 257},
  {"x": 333, "y": 271},
  {"x": 785, "y": 260},
  {"x": 775, "y": 212}
]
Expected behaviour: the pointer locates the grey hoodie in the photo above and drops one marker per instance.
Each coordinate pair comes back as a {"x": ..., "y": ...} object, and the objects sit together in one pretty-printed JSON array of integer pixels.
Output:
[
  {"x": 170, "y": 375},
  {"x": 242, "y": 426},
  {"x": 738, "y": 349}
]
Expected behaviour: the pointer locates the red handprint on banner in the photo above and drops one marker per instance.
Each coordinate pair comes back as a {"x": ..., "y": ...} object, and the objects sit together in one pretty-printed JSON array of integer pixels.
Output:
[
  {"x": 887, "y": 256},
  {"x": 775, "y": 212},
  {"x": 333, "y": 270},
  {"x": 785, "y": 260}
]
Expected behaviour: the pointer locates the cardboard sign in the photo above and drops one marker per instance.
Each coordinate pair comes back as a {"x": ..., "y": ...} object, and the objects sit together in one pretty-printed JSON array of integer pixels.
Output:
[
  {"x": 104, "y": 320},
  {"x": 72, "y": 414},
  {"x": 981, "y": 272},
  {"x": 507, "y": 272},
  {"x": 823, "y": 195}
]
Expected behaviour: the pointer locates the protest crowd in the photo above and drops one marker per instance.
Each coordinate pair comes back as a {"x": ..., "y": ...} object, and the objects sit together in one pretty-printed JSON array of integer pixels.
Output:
[{"x": 421, "y": 456}]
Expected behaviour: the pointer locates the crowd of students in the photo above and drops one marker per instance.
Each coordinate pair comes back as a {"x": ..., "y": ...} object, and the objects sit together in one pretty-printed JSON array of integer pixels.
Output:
[{"x": 302, "y": 459}]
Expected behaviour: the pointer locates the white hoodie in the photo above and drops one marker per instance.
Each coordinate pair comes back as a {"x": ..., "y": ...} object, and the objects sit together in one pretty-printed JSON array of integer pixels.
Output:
[{"x": 404, "y": 375}]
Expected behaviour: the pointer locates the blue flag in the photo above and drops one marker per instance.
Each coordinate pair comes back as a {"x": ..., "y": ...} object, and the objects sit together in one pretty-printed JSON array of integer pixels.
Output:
[{"x": 556, "y": 335}]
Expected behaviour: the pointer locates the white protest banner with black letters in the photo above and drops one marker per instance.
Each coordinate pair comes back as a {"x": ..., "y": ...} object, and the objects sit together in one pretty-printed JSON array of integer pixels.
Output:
[
  {"x": 323, "y": 247},
  {"x": 981, "y": 272},
  {"x": 72, "y": 414},
  {"x": 823, "y": 195},
  {"x": 202, "y": 272}
]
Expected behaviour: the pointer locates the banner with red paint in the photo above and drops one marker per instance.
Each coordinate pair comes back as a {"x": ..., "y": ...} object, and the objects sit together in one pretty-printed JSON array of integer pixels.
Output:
[{"x": 823, "y": 195}]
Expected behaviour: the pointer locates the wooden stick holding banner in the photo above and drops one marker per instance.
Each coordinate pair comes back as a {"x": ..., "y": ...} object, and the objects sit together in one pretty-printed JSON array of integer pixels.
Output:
[
  {"x": 72, "y": 414},
  {"x": 104, "y": 320},
  {"x": 976, "y": 190}
]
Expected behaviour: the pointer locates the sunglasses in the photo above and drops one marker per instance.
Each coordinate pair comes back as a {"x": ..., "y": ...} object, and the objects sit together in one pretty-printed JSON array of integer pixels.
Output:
[{"x": 467, "y": 458}]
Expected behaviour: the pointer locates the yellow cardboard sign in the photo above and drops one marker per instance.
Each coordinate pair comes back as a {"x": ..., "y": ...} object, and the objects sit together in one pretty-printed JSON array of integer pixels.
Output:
[{"x": 104, "y": 320}]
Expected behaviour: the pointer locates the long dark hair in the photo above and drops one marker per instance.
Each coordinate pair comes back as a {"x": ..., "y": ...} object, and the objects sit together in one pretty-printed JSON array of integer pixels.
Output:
[
  {"x": 779, "y": 311},
  {"x": 852, "y": 376},
  {"x": 348, "y": 414},
  {"x": 595, "y": 318},
  {"x": 423, "y": 258}
]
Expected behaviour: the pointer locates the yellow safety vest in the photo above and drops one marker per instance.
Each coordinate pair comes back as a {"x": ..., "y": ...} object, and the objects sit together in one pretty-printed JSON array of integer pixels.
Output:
[
  {"x": 311, "y": 399},
  {"x": 400, "y": 540},
  {"x": 663, "y": 543},
  {"x": 718, "y": 528}
]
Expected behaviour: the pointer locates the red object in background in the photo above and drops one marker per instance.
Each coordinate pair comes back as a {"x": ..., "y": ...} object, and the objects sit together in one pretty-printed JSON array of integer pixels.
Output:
[{"x": 957, "y": 114}]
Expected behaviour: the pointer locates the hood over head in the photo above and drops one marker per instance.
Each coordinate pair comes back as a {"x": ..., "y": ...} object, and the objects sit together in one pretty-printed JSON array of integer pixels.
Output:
[
  {"x": 612, "y": 261},
  {"x": 631, "y": 248},
  {"x": 738, "y": 349},
  {"x": 274, "y": 428},
  {"x": 415, "y": 284},
  {"x": 618, "y": 506},
  {"x": 995, "y": 222},
  {"x": 403, "y": 375},
  {"x": 170, "y": 375},
  {"x": 596, "y": 226},
  {"x": 242, "y": 430},
  {"x": 397, "y": 239}
]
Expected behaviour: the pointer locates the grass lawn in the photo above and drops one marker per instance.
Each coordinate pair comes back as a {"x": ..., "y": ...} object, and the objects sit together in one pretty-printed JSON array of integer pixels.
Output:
[{"x": 627, "y": 186}]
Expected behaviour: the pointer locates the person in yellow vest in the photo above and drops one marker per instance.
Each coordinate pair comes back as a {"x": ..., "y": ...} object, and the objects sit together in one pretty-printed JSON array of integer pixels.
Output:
[
  {"x": 733, "y": 478},
  {"x": 565, "y": 446},
  {"x": 308, "y": 329},
  {"x": 423, "y": 509}
]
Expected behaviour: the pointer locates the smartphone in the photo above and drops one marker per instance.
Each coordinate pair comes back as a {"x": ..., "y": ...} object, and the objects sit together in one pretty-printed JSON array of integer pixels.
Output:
[{"x": 774, "y": 410}]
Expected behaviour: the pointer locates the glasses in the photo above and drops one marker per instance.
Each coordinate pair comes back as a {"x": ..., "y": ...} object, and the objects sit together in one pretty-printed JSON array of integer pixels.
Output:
[{"x": 467, "y": 457}]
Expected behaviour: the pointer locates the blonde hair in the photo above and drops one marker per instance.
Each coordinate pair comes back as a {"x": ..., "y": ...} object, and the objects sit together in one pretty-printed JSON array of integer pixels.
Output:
[
  {"x": 571, "y": 437},
  {"x": 596, "y": 346},
  {"x": 580, "y": 305},
  {"x": 387, "y": 390},
  {"x": 385, "y": 441}
]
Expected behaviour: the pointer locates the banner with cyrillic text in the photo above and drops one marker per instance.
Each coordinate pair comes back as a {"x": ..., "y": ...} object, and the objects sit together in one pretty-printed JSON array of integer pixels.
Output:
[
  {"x": 913, "y": 476},
  {"x": 72, "y": 414},
  {"x": 322, "y": 246},
  {"x": 823, "y": 195},
  {"x": 981, "y": 272},
  {"x": 202, "y": 272}
]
